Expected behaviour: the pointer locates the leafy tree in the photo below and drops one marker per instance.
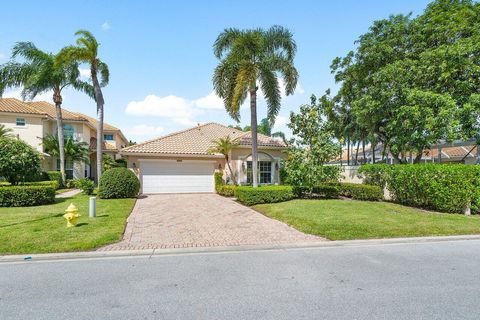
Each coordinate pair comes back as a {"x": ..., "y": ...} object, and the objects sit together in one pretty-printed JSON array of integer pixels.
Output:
[
  {"x": 86, "y": 51},
  {"x": 225, "y": 146},
  {"x": 312, "y": 146},
  {"x": 412, "y": 81},
  {"x": 74, "y": 150},
  {"x": 18, "y": 160},
  {"x": 42, "y": 72},
  {"x": 5, "y": 132},
  {"x": 252, "y": 58}
]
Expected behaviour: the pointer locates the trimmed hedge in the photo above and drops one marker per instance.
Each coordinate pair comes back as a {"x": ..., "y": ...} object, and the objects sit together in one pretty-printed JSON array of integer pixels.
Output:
[
  {"x": 442, "y": 187},
  {"x": 334, "y": 190},
  {"x": 55, "y": 175},
  {"x": 26, "y": 195},
  {"x": 264, "y": 194},
  {"x": 53, "y": 184},
  {"x": 118, "y": 183},
  {"x": 363, "y": 192}
]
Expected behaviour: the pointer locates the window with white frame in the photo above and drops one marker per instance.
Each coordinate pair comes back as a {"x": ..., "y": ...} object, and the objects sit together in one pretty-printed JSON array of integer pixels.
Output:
[
  {"x": 20, "y": 122},
  {"x": 264, "y": 172},
  {"x": 68, "y": 131},
  {"x": 68, "y": 168}
]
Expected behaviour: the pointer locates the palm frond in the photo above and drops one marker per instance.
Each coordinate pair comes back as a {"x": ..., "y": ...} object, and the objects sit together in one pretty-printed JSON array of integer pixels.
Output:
[
  {"x": 278, "y": 38},
  {"x": 104, "y": 73},
  {"x": 271, "y": 90},
  {"x": 225, "y": 41}
]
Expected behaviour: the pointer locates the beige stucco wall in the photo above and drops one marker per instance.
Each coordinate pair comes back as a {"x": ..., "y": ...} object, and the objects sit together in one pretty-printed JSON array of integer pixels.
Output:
[{"x": 31, "y": 133}]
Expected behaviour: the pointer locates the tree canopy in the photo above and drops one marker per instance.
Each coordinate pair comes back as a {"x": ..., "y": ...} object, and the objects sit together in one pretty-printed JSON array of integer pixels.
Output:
[{"x": 412, "y": 81}]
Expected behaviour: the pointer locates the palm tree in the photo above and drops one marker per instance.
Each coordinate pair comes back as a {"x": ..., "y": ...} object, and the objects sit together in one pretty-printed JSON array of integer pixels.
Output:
[
  {"x": 41, "y": 72},
  {"x": 86, "y": 51},
  {"x": 5, "y": 132},
  {"x": 224, "y": 146},
  {"x": 74, "y": 150},
  {"x": 249, "y": 59}
]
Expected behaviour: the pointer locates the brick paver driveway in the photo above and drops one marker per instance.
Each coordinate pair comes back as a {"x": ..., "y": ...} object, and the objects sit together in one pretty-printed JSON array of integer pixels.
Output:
[{"x": 200, "y": 220}]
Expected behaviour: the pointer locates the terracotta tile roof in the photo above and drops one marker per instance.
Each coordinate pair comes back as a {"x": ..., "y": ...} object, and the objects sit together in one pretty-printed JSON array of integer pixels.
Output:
[
  {"x": 452, "y": 152},
  {"x": 199, "y": 140},
  {"x": 49, "y": 109},
  {"x": 106, "y": 146},
  {"x": 16, "y": 106},
  {"x": 94, "y": 122}
]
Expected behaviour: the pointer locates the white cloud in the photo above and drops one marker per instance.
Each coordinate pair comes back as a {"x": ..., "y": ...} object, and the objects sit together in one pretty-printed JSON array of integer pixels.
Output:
[
  {"x": 211, "y": 101},
  {"x": 177, "y": 109},
  {"x": 143, "y": 130},
  {"x": 17, "y": 93},
  {"x": 106, "y": 26},
  {"x": 280, "y": 123},
  {"x": 84, "y": 72}
]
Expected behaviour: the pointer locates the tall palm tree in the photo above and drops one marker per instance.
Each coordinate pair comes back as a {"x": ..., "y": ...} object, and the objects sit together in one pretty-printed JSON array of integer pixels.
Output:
[
  {"x": 86, "y": 51},
  {"x": 249, "y": 59},
  {"x": 225, "y": 146},
  {"x": 5, "y": 132},
  {"x": 38, "y": 73}
]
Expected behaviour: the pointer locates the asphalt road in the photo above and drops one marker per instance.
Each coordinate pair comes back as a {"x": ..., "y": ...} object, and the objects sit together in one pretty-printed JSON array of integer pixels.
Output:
[{"x": 401, "y": 281}]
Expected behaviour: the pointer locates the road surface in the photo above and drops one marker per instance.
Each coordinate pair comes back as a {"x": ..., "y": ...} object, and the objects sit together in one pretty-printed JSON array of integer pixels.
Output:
[{"x": 395, "y": 281}]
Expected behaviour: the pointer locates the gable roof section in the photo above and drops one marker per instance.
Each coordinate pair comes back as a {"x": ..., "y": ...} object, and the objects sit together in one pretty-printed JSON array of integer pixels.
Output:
[
  {"x": 199, "y": 140},
  {"x": 13, "y": 105},
  {"x": 94, "y": 122},
  {"x": 50, "y": 110}
]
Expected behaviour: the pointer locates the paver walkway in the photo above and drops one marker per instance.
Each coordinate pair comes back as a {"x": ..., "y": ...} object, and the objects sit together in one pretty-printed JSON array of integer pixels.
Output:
[
  {"x": 68, "y": 194},
  {"x": 200, "y": 220}
]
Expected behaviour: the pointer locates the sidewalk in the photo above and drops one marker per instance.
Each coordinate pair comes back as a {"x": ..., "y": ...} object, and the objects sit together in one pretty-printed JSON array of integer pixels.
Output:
[{"x": 68, "y": 194}]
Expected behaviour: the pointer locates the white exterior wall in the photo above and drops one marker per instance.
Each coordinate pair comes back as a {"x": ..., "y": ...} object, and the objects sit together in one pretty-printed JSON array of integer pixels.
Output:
[{"x": 31, "y": 133}]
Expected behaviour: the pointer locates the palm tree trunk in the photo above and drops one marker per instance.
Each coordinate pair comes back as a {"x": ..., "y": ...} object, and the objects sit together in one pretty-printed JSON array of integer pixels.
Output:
[
  {"x": 100, "y": 103},
  {"x": 348, "y": 151},
  {"x": 356, "y": 153},
  {"x": 253, "y": 124},
  {"x": 373, "y": 152},
  {"x": 363, "y": 151},
  {"x": 232, "y": 175},
  {"x": 57, "y": 99}
]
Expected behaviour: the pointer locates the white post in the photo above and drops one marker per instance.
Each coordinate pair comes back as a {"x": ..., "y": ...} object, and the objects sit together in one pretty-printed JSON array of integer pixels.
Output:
[{"x": 92, "y": 207}]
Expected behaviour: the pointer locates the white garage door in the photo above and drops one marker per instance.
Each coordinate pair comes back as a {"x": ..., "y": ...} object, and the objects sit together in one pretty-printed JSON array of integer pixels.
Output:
[{"x": 177, "y": 177}]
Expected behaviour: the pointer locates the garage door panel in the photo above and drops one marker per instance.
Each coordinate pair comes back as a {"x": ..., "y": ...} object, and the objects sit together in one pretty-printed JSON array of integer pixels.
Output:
[{"x": 177, "y": 177}]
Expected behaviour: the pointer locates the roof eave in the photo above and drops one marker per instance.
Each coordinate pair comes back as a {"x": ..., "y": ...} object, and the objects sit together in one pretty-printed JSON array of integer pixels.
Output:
[{"x": 178, "y": 155}]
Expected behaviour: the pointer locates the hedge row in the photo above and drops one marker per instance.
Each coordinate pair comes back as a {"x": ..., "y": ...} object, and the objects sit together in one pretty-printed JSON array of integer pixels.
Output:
[
  {"x": 26, "y": 195},
  {"x": 334, "y": 190},
  {"x": 264, "y": 194},
  {"x": 442, "y": 187}
]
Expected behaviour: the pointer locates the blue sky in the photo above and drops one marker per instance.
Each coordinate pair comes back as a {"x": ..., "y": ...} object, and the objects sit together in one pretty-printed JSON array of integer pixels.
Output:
[{"x": 160, "y": 52}]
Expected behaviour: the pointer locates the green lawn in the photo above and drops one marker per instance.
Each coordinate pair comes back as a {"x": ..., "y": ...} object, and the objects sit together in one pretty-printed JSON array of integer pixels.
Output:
[
  {"x": 343, "y": 219},
  {"x": 43, "y": 229}
]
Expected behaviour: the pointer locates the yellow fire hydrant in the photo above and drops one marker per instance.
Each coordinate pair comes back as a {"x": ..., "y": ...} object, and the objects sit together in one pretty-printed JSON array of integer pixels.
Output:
[{"x": 71, "y": 214}]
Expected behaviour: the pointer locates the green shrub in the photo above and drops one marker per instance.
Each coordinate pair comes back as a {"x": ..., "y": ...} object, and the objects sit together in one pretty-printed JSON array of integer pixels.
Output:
[
  {"x": 362, "y": 192},
  {"x": 218, "y": 176},
  {"x": 264, "y": 194},
  {"x": 442, "y": 187},
  {"x": 374, "y": 174},
  {"x": 226, "y": 190},
  {"x": 19, "y": 162},
  {"x": 53, "y": 184},
  {"x": 55, "y": 175},
  {"x": 86, "y": 185},
  {"x": 118, "y": 183},
  {"x": 30, "y": 195},
  {"x": 70, "y": 183},
  {"x": 323, "y": 190}
]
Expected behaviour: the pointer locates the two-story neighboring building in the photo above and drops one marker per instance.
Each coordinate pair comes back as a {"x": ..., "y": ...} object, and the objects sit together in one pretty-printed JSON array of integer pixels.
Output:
[{"x": 30, "y": 121}]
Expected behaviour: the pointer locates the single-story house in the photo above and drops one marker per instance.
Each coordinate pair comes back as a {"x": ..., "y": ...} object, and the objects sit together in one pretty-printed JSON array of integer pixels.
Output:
[{"x": 182, "y": 162}]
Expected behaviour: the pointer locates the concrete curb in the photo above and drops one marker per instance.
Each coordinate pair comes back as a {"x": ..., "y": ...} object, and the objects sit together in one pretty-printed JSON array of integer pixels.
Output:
[{"x": 148, "y": 253}]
